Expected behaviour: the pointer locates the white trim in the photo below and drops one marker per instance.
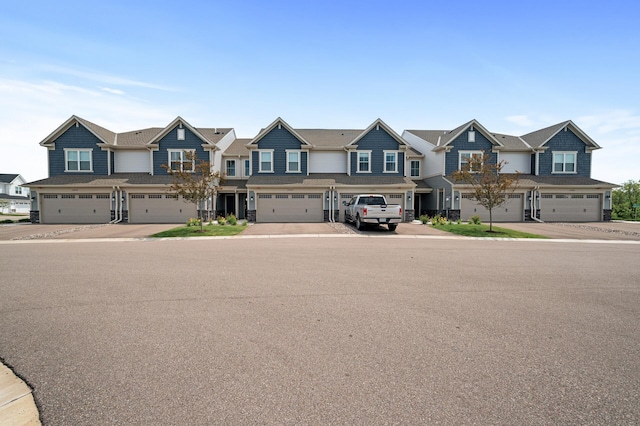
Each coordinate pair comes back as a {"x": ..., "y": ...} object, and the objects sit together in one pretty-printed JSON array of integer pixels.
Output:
[
  {"x": 260, "y": 152},
  {"x": 181, "y": 133},
  {"x": 245, "y": 162},
  {"x": 471, "y": 136},
  {"x": 384, "y": 161},
  {"x": 226, "y": 167},
  {"x": 182, "y": 158},
  {"x": 78, "y": 151},
  {"x": 564, "y": 162},
  {"x": 411, "y": 168},
  {"x": 358, "y": 162},
  {"x": 293, "y": 151}
]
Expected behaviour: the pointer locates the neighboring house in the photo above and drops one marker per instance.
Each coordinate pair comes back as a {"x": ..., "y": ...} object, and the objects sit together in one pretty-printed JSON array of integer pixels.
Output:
[
  {"x": 13, "y": 194},
  {"x": 285, "y": 174},
  {"x": 555, "y": 173}
]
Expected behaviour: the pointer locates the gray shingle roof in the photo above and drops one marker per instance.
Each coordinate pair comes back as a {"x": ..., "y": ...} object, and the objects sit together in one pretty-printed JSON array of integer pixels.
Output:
[
  {"x": 329, "y": 179},
  {"x": 539, "y": 137},
  {"x": 329, "y": 138},
  {"x": 8, "y": 178},
  {"x": 530, "y": 181},
  {"x": 238, "y": 147},
  {"x": 430, "y": 136},
  {"x": 120, "y": 179}
]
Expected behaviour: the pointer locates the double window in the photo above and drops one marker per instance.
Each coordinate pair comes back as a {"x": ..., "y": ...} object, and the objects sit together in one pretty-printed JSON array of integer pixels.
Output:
[
  {"x": 265, "y": 161},
  {"x": 293, "y": 161},
  {"x": 564, "y": 162},
  {"x": 181, "y": 160},
  {"x": 390, "y": 162},
  {"x": 231, "y": 167},
  {"x": 78, "y": 160},
  {"x": 364, "y": 161},
  {"x": 466, "y": 157}
]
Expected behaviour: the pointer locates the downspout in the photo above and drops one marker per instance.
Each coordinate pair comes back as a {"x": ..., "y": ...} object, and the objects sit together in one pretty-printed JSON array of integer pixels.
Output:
[
  {"x": 534, "y": 206},
  {"x": 118, "y": 202}
]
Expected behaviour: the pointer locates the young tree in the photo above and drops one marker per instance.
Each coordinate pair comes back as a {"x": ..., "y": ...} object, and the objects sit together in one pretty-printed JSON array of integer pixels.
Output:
[
  {"x": 194, "y": 180},
  {"x": 491, "y": 188}
]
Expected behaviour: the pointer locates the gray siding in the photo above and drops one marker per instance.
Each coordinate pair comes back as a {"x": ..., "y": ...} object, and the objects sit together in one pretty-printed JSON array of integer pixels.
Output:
[
  {"x": 565, "y": 141},
  {"x": 377, "y": 141},
  {"x": 461, "y": 143},
  {"x": 170, "y": 141},
  {"x": 77, "y": 137},
  {"x": 279, "y": 140}
]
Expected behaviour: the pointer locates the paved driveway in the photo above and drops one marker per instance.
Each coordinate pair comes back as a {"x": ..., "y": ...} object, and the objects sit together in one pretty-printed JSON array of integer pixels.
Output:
[
  {"x": 581, "y": 231},
  {"x": 324, "y": 331}
]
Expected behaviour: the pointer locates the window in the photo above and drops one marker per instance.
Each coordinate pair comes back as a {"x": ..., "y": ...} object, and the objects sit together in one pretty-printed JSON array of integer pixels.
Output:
[
  {"x": 247, "y": 168},
  {"x": 472, "y": 136},
  {"x": 564, "y": 162},
  {"x": 415, "y": 168},
  {"x": 178, "y": 160},
  {"x": 293, "y": 161},
  {"x": 180, "y": 134},
  {"x": 364, "y": 165},
  {"x": 78, "y": 160},
  {"x": 18, "y": 190},
  {"x": 466, "y": 156},
  {"x": 266, "y": 161},
  {"x": 390, "y": 162},
  {"x": 231, "y": 168}
]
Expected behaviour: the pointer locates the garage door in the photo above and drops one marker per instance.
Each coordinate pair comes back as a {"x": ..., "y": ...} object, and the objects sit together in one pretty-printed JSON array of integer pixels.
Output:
[
  {"x": 570, "y": 207},
  {"x": 511, "y": 211},
  {"x": 289, "y": 208},
  {"x": 159, "y": 208},
  {"x": 75, "y": 208}
]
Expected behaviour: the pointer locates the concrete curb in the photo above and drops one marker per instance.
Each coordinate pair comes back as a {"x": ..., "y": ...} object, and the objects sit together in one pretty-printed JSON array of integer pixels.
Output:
[{"x": 17, "y": 406}]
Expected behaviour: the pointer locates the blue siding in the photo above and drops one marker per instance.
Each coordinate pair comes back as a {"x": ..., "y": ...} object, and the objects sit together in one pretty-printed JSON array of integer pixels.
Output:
[
  {"x": 461, "y": 143},
  {"x": 170, "y": 141},
  {"x": 279, "y": 140},
  {"x": 77, "y": 137},
  {"x": 565, "y": 141},
  {"x": 377, "y": 141}
]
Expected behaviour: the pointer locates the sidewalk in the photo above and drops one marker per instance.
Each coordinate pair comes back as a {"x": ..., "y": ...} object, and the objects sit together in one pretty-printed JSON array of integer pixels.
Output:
[{"x": 17, "y": 406}]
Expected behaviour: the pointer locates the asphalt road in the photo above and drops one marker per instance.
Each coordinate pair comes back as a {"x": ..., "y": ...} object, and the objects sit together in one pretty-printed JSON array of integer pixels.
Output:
[{"x": 325, "y": 331}]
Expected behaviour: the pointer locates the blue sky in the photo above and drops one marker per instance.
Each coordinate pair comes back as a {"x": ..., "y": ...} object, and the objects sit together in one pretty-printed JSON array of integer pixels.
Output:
[{"x": 514, "y": 66}]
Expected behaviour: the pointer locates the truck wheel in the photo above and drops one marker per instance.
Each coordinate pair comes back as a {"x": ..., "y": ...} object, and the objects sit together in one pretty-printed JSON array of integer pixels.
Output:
[
  {"x": 359, "y": 225},
  {"x": 392, "y": 226}
]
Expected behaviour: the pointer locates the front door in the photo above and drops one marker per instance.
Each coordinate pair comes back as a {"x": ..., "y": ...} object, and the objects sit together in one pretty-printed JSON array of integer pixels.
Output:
[{"x": 229, "y": 204}]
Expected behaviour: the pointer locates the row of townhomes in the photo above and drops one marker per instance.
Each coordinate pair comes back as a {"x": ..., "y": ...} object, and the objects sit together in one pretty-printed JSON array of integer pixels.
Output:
[
  {"x": 14, "y": 198},
  {"x": 285, "y": 174}
]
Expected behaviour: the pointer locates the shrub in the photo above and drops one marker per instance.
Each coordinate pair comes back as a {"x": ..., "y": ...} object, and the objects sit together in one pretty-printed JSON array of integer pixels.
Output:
[
  {"x": 459, "y": 221},
  {"x": 222, "y": 220},
  {"x": 6, "y": 221},
  {"x": 194, "y": 221},
  {"x": 475, "y": 220},
  {"x": 439, "y": 220},
  {"x": 231, "y": 219},
  {"x": 424, "y": 219},
  {"x": 25, "y": 219}
]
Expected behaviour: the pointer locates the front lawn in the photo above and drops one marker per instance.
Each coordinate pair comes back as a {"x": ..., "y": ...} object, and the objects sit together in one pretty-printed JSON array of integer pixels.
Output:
[
  {"x": 469, "y": 230},
  {"x": 209, "y": 231}
]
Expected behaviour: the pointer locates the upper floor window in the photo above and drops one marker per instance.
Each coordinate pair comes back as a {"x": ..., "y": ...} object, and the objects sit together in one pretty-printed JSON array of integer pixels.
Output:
[
  {"x": 181, "y": 160},
  {"x": 180, "y": 134},
  {"x": 415, "y": 168},
  {"x": 266, "y": 161},
  {"x": 18, "y": 190},
  {"x": 78, "y": 160},
  {"x": 472, "y": 136},
  {"x": 564, "y": 162},
  {"x": 390, "y": 162},
  {"x": 247, "y": 168},
  {"x": 465, "y": 159},
  {"x": 293, "y": 161},
  {"x": 364, "y": 161},
  {"x": 231, "y": 167}
]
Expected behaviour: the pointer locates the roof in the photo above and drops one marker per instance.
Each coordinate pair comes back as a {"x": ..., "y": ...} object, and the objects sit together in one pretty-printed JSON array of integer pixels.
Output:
[
  {"x": 530, "y": 181},
  {"x": 14, "y": 197},
  {"x": 324, "y": 179},
  {"x": 431, "y": 136},
  {"x": 238, "y": 147},
  {"x": 8, "y": 178},
  {"x": 329, "y": 138},
  {"x": 540, "y": 137},
  {"x": 116, "y": 179},
  {"x": 512, "y": 143}
]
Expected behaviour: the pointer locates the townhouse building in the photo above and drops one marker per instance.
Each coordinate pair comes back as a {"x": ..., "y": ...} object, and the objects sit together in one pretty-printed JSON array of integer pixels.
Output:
[{"x": 286, "y": 174}]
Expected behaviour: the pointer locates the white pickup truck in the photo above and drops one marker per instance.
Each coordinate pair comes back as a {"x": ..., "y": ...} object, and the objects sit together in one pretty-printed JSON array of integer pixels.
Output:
[{"x": 372, "y": 209}]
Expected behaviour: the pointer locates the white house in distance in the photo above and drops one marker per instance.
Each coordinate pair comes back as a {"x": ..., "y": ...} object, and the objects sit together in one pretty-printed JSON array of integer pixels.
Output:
[{"x": 14, "y": 197}]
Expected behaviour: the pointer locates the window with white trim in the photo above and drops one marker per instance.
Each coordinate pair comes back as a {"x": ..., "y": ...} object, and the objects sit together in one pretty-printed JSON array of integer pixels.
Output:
[
  {"x": 472, "y": 136},
  {"x": 466, "y": 156},
  {"x": 230, "y": 168},
  {"x": 364, "y": 161},
  {"x": 265, "y": 161},
  {"x": 78, "y": 160},
  {"x": 390, "y": 162},
  {"x": 179, "y": 161},
  {"x": 247, "y": 168},
  {"x": 415, "y": 168},
  {"x": 180, "y": 134},
  {"x": 293, "y": 161},
  {"x": 564, "y": 162}
]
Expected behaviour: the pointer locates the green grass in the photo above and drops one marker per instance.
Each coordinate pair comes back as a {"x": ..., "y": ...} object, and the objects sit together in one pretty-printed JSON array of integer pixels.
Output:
[
  {"x": 209, "y": 231},
  {"x": 482, "y": 231}
]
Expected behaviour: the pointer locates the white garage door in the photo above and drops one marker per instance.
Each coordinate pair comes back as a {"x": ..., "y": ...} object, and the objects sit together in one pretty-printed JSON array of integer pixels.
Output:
[
  {"x": 75, "y": 208},
  {"x": 289, "y": 208},
  {"x": 570, "y": 208},
  {"x": 511, "y": 211},
  {"x": 159, "y": 208}
]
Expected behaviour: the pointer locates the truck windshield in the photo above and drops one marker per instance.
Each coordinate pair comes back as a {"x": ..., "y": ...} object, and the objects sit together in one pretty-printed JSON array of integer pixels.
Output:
[{"x": 372, "y": 201}]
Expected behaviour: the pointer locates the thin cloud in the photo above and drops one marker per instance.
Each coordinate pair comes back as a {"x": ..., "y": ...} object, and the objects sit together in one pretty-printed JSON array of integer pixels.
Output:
[{"x": 113, "y": 91}]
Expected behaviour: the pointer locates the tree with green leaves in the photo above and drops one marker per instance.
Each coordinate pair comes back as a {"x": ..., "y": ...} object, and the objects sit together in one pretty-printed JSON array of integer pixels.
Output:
[
  {"x": 490, "y": 187},
  {"x": 624, "y": 198},
  {"x": 194, "y": 180}
]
